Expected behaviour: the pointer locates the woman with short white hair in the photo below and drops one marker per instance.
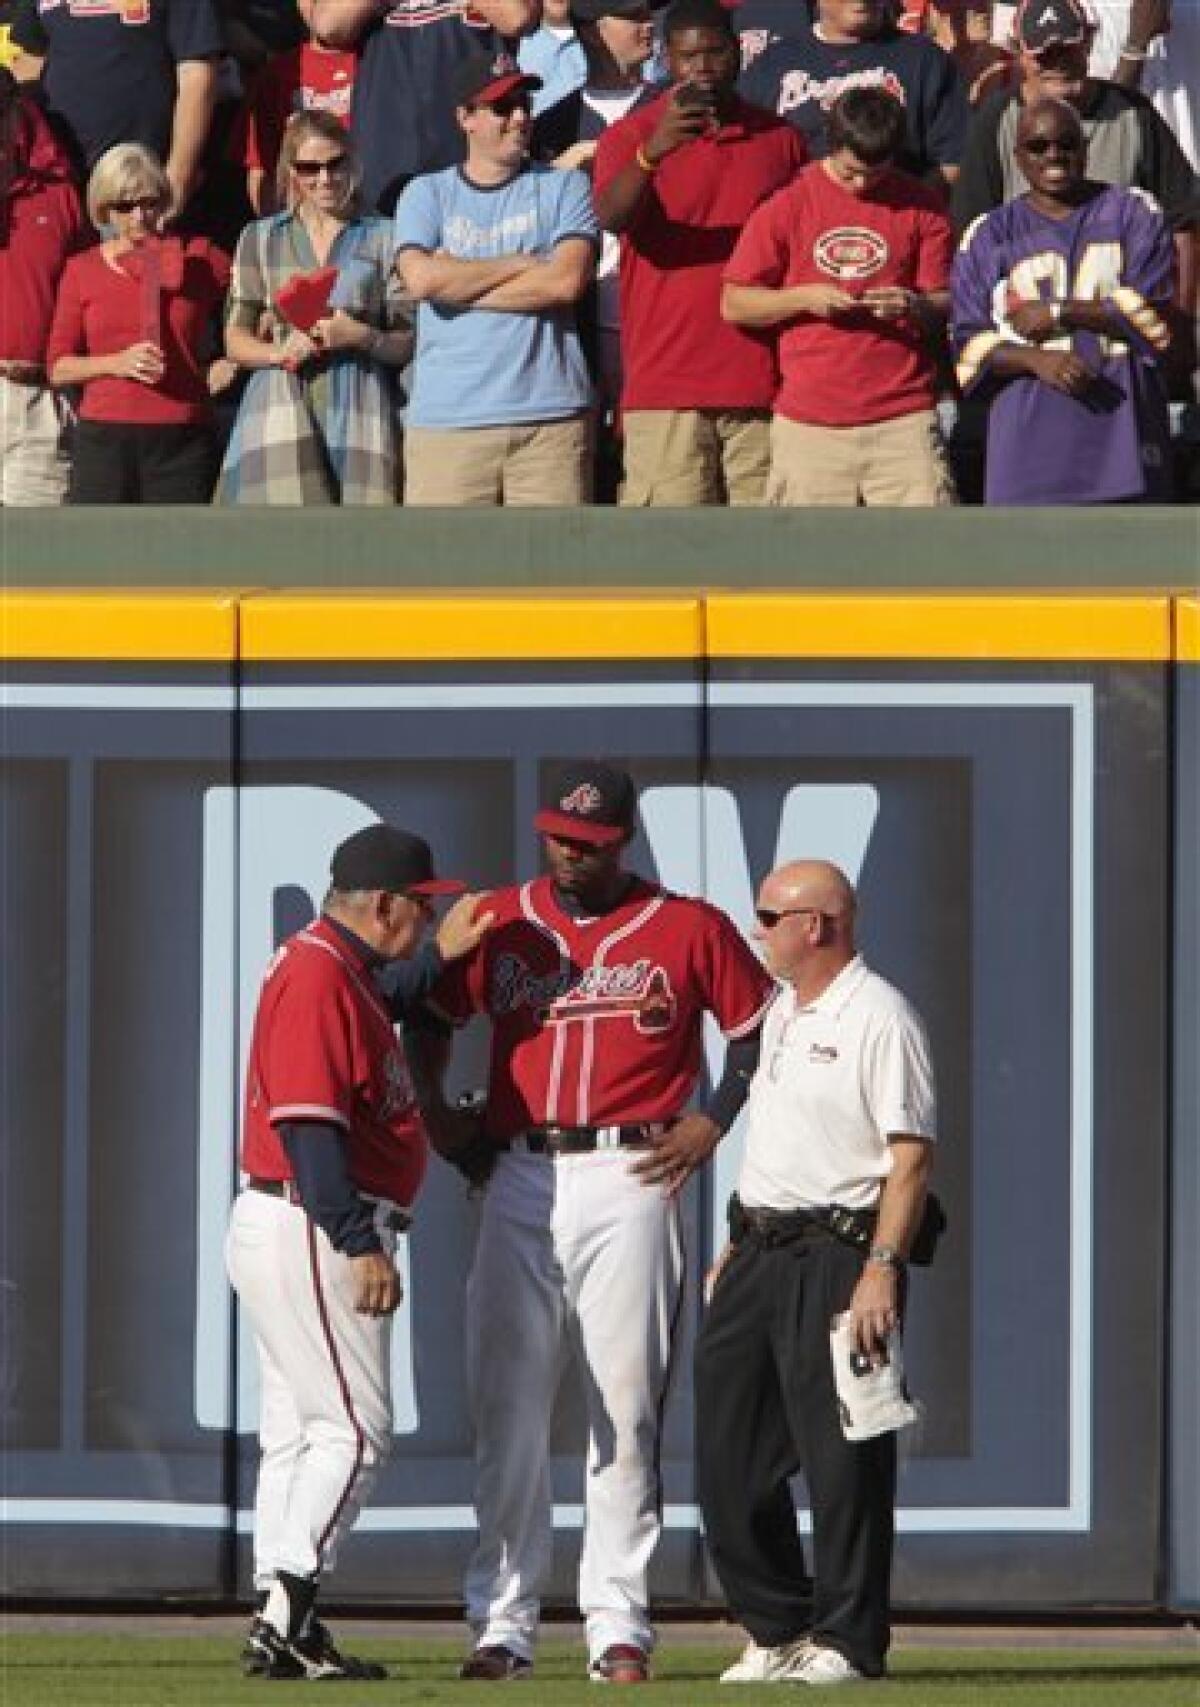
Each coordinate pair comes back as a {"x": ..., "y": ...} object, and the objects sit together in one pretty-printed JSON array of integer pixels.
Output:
[{"x": 133, "y": 331}]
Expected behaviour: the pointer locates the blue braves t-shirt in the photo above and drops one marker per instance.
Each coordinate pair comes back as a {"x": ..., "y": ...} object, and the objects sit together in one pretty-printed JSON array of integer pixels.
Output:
[
  {"x": 473, "y": 367},
  {"x": 800, "y": 77},
  {"x": 110, "y": 64}
]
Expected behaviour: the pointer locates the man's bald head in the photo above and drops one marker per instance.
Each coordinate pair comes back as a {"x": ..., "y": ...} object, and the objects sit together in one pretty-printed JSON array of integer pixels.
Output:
[
  {"x": 814, "y": 883},
  {"x": 806, "y": 922},
  {"x": 1048, "y": 113}
]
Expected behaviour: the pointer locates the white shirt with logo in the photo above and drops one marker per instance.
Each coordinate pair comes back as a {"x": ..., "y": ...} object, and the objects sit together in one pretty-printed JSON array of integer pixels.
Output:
[{"x": 837, "y": 1078}]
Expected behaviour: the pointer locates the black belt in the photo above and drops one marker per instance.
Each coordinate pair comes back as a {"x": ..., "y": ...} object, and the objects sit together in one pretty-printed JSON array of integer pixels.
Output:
[
  {"x": 579, "y": 1140},
  {"x": 782, "y": 1226},
  {"x": 395, "y": 1219}
]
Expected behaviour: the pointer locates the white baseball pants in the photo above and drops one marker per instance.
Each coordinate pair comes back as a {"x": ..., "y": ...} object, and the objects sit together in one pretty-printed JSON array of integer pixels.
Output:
[
  {"x": 573, "y": 1254},
  {"x": 325, "y": 1422}
]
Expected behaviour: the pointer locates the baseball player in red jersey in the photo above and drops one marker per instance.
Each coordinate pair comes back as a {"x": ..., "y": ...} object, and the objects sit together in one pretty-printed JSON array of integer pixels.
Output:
[
  {"x": 334, "y": 1151},
  {"x": 596, "y": 983}
]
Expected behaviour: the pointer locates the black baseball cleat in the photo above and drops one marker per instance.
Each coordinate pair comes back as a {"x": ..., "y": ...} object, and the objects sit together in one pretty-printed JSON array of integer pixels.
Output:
[
  {"x": 266, "y": 1655},
  {"x": 317, "y": 1653},
  {"x": 493, "y": 1663},
  {"x": 313, "y": 1656}
]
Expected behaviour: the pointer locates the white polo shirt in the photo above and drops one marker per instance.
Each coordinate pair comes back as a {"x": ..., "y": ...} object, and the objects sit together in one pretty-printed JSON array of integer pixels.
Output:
[{"x": 836, "y": 1078}]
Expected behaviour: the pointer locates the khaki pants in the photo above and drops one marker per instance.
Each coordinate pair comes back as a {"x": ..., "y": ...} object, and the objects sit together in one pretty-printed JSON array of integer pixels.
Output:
[
  {"x": 541, "y": 462},
  {"x": 899, "y": 462},
  {"x": 696, "y": 456},
  {"x": 35, "y": 436}
]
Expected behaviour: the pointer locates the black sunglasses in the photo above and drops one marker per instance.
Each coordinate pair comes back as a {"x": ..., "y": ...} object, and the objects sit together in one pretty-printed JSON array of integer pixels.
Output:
[
  {"x": 768, "y": 918},
  {"x": 510, "y": 104},
  {"x": 1052, "y": 145},
  {"x": 313, "y": 168},
  {"x": 129, "y": 204}
]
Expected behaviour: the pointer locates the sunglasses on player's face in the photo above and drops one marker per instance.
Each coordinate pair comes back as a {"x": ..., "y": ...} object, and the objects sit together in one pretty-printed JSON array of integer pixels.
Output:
[{"x": 332, "y": 168}]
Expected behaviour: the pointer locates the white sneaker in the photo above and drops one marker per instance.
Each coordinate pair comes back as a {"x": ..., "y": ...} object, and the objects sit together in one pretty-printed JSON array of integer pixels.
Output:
[
  {"x": 768, "y": 1665},
  {"x": 824, "y": 1667}
]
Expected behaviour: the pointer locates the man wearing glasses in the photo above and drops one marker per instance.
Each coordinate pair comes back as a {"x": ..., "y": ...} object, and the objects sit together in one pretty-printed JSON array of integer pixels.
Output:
[
  {"x": 333, "y": 1152},
  {"x": 838, "y": 1153}
]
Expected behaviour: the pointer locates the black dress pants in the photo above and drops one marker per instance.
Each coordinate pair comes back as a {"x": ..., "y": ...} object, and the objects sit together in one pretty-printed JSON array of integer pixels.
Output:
[
  {"x": 119, "y": 462},
  {"x": 766, "y": 1407}
]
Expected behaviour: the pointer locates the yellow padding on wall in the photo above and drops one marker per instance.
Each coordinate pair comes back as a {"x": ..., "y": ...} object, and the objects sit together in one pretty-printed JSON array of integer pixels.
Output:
[
  {"x": 1036, "y": 628},
  {"x": 120, "y": 627},
  {"x": 295, "y": 628},
  {"x": 1187, "y": 630}
]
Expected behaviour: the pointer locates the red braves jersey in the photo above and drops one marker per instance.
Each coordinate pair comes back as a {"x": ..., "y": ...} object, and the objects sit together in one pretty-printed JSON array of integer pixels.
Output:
[
  {"x": 324, "y": 1048},
  {"x": 597, "y": 1021},
  {"x": 853, "y": 369}
]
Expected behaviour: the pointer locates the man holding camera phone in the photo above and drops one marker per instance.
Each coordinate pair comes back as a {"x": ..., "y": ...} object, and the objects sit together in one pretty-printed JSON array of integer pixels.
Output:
[{"x": 677, "y": 180}]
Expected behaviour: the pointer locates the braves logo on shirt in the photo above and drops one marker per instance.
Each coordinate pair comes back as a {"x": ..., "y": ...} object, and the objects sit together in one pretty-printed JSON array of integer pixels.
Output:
[
  {"x": 798, "y": 88},
  {"x": 132, "y": 12},
  {"x": 850, "y": 252},
  {"x": 639, "y": 991},
  {"x": 398, "y": 1089},
  {"x": 415, "y": 14}
]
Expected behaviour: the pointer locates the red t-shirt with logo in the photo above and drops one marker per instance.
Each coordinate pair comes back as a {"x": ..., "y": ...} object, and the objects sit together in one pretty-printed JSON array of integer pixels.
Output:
[
  {"x": 324, "y": 1048},
  {"x": 855, "y": 369},
  {"x": 310, "y": 78},
  {"x": 598, "y": 1021},
  {"x": 677, "y": 351}
]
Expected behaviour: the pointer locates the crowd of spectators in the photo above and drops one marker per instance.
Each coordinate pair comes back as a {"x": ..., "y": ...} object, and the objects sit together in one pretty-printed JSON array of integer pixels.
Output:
[{"x": 559, "y": 251}]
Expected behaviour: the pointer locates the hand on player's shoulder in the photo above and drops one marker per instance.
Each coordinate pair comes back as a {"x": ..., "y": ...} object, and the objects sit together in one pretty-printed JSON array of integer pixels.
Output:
[{"x": 465, "y": 925}]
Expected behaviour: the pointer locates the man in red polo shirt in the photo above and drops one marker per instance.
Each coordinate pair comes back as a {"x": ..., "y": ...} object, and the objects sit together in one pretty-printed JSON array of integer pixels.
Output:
[
  {"x": 677, "y": 180},
  {"x": 41, "y": 224},
  {"x": 851, "y": 266}
]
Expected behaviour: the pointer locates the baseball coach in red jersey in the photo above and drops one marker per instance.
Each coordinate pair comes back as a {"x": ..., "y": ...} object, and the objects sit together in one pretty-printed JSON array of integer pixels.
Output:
[
  {"x": 596, "y": 983},
  {"x": 333, "y": 1152}
]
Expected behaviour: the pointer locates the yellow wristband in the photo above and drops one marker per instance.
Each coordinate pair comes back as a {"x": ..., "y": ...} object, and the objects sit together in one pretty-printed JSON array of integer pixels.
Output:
[{"x": 648, "y": 166}]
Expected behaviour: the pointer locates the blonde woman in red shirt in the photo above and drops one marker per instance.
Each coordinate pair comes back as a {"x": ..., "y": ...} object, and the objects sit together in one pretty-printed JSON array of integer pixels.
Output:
[{"x": 133, "y": 330}]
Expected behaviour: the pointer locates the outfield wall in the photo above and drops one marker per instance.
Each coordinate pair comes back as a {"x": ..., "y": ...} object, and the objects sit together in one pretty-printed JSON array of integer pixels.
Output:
[{"x": 1011, "y": 782}]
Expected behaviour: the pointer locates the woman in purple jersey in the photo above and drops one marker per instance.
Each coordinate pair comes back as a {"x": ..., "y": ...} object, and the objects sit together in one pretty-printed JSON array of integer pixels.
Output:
[{"x": 1060, "y": 302}]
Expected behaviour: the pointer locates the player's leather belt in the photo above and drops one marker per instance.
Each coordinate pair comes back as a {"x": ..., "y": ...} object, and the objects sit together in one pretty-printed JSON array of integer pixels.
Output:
[
  {"x": 579, "y": 1140},
  {"x": 395, "y": 1219}
]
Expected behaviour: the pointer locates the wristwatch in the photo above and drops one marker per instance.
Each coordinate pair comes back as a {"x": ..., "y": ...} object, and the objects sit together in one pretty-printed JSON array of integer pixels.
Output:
[{"x": 885, "y": 1256}]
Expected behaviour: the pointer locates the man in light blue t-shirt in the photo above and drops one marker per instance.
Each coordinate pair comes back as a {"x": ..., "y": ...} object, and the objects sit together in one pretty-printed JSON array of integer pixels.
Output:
[{"x": 496, "y": 252}]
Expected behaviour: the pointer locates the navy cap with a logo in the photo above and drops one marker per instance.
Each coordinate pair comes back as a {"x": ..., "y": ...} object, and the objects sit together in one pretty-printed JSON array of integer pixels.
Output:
[
  {"x": 483, "y": 78},
  {"x": 588, "y": 802},
  {"x": 383, "y": 857},
  {"x": 1043, "y": 24}
]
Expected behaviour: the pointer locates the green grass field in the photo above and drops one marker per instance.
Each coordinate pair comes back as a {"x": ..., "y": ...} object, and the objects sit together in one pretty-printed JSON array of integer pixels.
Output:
[{"x": 154, "y": 1671}]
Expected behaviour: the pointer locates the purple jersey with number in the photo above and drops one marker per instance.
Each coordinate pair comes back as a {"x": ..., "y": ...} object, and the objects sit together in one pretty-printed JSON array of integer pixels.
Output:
[{"x": 1043, "y": 446}]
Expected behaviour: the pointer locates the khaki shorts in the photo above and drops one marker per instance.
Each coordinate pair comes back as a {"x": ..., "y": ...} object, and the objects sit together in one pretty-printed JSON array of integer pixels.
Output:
[
  {"x": 541, "y": 462},
  {"x": 696, "y": 456},
  {"x": 899, "y": 462},
  {"x": 35, "y": 444}
]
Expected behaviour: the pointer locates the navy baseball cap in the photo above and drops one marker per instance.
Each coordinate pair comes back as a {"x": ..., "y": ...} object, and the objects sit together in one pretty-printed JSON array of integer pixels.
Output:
[
  {"x": 588, "y": 802},
  {"x": 1043, "y": 24},
  {"x": 383, "y": 857},
  {"x": 483, "y": 78}
]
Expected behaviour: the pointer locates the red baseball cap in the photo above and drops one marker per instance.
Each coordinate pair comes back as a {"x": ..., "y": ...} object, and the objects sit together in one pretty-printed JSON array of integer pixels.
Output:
[{"x": 588, "y": 802}]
